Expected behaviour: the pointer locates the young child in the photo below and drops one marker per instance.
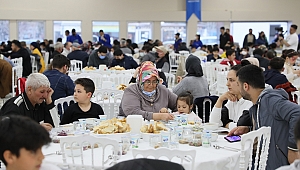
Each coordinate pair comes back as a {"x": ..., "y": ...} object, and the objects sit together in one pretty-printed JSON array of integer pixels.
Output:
[
  {"x": 185, "y": 105},
  {"x": 21, "y": 141},
  {"x": 83, "y": 108}
]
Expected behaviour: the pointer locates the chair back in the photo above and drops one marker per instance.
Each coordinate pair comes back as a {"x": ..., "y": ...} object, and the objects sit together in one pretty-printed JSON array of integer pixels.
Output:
[
  {"x": 174, "y": 62},
  {"x": 262, "y": 135},
  {"x": 17, "y": 61},
  {"x": 184, "y": 53},
  {"x": 33, "y": 64},
  {"x": 170, "y": 78},
  {"x": 17, "y": 72},
  {"x": 91, "y": 141},
  {"x": 65, "y": 101},
  {"x": 109, "y": 100},
  {"x": 168, "y": 153},
  {"x": 76, "y": 65},
  {"x": 295, "y": 96},
  {"x": 46, "y": 58},
  {"x": 203, "y": 106}
]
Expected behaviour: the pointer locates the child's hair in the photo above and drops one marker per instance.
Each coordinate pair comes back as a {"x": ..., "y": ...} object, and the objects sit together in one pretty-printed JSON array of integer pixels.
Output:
[
  {"x": 187, "y": 97},
  {"x": 87, "y": 84},
  {"x": 17, "y": 132}
]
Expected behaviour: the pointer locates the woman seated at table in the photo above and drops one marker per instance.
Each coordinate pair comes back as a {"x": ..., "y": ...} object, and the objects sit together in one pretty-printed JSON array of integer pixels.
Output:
[
  {"x": 290, "y": 56},
  {"x": 235, "y": 106},
  {"x": 194, "y": 81},
  {"x": 36, "y": 52},
  {"x": 147, "y": 97},
  {"x": 162, "y": 61},
  {"x": 83, "y": 108}
]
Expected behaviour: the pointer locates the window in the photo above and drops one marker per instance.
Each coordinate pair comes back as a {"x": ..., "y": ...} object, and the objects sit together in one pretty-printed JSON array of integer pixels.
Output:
[
  {"x": 61, "y": 26},
  {"x": 4, "y": 31},
  {"x": 209, "y": 32},
  {"x": 110, "y": 28},
  {"x": 240, "y": 29},
  {"x": 169, "y": 29},
  {"x": 31, "y": 31},
  {"x": 139, "y": 32}
]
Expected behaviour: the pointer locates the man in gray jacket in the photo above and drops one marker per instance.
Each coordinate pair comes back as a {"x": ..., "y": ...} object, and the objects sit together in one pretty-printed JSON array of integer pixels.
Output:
[
  {"x": 271, "y": 108},
  {"x": 98, "y": 57}
]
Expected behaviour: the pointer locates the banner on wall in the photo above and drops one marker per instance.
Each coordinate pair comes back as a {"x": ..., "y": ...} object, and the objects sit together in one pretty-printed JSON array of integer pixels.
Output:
[{"x": 193, "y": 7}]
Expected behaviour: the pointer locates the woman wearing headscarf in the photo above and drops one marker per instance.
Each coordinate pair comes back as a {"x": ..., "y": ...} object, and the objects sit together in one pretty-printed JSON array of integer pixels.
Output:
[
  {"x": 147, "y": 97},
  {"x": 194, "y": 81},
  {"x": 35, "y": 51}
]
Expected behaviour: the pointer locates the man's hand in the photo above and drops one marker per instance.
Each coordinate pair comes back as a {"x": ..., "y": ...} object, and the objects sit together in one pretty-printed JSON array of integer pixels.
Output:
[
  {"x": 238, "y": 131},
  {"x": 49, "y": 92},
  {"x": 47, "y": 126},
  {"x": 179, "y": 78}
]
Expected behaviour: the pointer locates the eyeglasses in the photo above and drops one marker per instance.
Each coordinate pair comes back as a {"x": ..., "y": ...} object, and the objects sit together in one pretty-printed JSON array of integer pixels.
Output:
[{"x": 153, "y": 82}]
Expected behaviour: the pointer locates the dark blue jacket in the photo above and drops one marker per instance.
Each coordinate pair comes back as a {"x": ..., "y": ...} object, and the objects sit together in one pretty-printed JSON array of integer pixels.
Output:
[
  {"x": 74, "y": 38},
  {"x": 79, "y": 55},
  {"x": 211, "y": 57},
  {"x": 62, "y": 84},
  {"x": 274, "y": 78},
  {"x": 177, "y": 43},
  {"x": 126, "y": 62},
  {"x": 261, "y": 41},
  {"x": 197, "y": 44},
  {"x": 107, "y": 42}
]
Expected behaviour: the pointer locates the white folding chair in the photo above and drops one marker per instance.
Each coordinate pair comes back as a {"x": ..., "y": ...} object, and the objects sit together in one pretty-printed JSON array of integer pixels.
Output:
[
  {"x": 46, "y": 58},
  {"x": 168, "y": 153},
  {"x": 295, "y": 96},
  {"x": 33, "y": 64},
  {"x": 184, "y": 53},
  {"x": 174, "y": 62},
  {"x": 17, "y": 61},
  {"x": 221, "y": 82},
  {"x": 76, "y": 65},
  {"x": 16, "y": 74},
  {"x": 262, "y": 135},
  {"x": 79, "y": 142},
  {"x": 61, "y": 102},
  {"x": 109, "y": 100},
  {"x": 170, "y": 78}
]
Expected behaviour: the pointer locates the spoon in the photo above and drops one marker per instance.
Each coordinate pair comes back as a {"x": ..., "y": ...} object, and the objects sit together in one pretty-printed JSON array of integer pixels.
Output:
[
  {"x": 55, "y": 153},
  {"x": 226, "y": 147},
  {"x": 108, "y": 158}
]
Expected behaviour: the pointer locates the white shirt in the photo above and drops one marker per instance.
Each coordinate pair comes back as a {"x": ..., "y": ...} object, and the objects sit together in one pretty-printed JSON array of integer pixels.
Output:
[
  {"x": 289, "y": 72},
  {"x": 291, "y": 39},
  {"x": 65, "y": 52},
  {"x": 235, "y": 110}
]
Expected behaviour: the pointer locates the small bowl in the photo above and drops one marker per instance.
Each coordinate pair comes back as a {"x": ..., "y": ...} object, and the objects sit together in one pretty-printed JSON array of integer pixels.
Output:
[
  {"x": 211, "y": 126},
  {"x": 214, "y": 137},
  {"x": 76, "y": 151},
  {"x": 67, "y": 127}
]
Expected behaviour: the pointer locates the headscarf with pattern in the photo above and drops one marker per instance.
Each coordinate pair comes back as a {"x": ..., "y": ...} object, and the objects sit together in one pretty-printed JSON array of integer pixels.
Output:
[{"x": 147, "y": 70}]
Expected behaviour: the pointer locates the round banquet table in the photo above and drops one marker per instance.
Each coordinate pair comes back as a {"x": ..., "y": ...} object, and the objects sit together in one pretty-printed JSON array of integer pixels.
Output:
[{"x": 206, "y": 158}]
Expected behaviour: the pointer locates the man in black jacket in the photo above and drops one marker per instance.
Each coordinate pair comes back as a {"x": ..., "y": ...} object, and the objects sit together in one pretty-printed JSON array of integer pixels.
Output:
[
  {"x": 224, "y": 38},
  {"x": 18, "y": 51}
]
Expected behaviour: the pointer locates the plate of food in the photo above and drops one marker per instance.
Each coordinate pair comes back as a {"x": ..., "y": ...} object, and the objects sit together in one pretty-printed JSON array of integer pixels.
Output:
[
  {"x": 90, "y": 68},
  {"x": 117, "y": 68},
  {"x": 151, "y": 129},
  {"x": 112, "y": 128}
]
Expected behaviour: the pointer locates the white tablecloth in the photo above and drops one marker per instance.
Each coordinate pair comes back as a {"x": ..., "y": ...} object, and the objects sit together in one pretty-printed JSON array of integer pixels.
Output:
[{"x": 206, "y": 158}]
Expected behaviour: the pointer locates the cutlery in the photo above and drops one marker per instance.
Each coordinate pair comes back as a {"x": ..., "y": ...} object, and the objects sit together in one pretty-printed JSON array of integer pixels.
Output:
[
  {"x": 226, "y": 148},
  {"x": 55, "y": 153}
]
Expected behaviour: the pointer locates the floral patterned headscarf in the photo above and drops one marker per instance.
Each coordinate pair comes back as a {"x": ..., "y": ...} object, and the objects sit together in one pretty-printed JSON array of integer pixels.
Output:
[{"x": 147, "y": 70}]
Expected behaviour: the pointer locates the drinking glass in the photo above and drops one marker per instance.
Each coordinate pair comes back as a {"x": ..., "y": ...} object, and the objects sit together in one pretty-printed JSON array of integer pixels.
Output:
[{"x": 134, "y": 140}]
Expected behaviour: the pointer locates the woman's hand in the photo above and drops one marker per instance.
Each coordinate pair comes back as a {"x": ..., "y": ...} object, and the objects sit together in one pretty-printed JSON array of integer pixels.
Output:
[
  {"x": 179, "y": 78},
  {"x": 137, "y": 70},
  {"x": 228, "y": 96},
  {"x": 163, "y": 110}
]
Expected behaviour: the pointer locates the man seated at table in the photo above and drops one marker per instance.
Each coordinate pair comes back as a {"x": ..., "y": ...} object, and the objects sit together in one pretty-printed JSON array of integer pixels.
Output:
[
  {"x": 214, "y": 56},
  {"x": 61, "y": 83},
  {"x": 230, "y": 60},
  {"x": 123, "y": 61},
  {"x": 271, "y": 108},
  {"x": 83, "y": 108},
  {"x": 35, "y": 102},
  {"x": 58, "y": 49},
  {"x": 99, "y": 57},
  {"x": 21, "y": 141},
  {"x": 78, "y": 54}
]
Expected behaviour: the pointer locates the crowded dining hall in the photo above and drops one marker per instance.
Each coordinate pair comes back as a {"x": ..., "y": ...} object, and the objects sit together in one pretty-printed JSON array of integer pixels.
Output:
[{"x": 181, "y": 84}]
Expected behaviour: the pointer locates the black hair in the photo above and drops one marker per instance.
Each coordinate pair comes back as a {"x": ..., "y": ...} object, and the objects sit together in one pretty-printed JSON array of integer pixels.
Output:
[
  {"x": 42, "y": 43},
  {"x": 102, "y": 49},
  {"x": 273, "y": 45},
  {"x": 215, "y": 45},
  {"x": 73, "y": 30},
  {"x": 215, "y": 49},
  {"x": 245, "y": 62},
  {"x": 87, "y": 84},
  {"x": 101, "y": 31},
  {"x": 294, "y": 26},
  {"x": 237, "y": 67},
  {"x": 288, "y": 53},
  {"x": 129, "y": 41},
  {"x": 50, "y": 41},
  {"x": 198, "y": 35},
  {"x": 59, "y": 40},
  {"x": 229, "y": 52},
  {"x": 227, "y": 48},
  {"x": 17, "y": 43},
  {"x": 147, "y": 48},
  {"x": 204, "y": 46},
  {"x": 270, "y": 55},
  {"x": 134, "y": 45},
  {"x": 252, "y": 75},
  {"x": 187, "y": 97},
  {"x": 118, "y": 52},
  {"x": 222, "y": 28},
  {"x": 246, "y": 48},
  {"x": 67, "y": 31},
  {"x": 60, "y": 60},
  {"x": 209, "y": 47},
  {"x": 297, "y": 131},
  {"x": 17, "y": 132},
  {"x": 116, "y": 42},
  {"x": 258, "y": 51},
  {"x": 277, "y": 63}
]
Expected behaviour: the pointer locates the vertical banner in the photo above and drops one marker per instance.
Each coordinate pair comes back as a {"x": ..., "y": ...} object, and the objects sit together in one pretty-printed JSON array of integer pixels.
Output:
[{"x": 193, "y": 7}]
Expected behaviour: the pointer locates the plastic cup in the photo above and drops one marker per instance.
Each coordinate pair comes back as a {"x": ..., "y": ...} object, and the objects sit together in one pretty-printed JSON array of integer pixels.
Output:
[{"x": 102, "y": 117}]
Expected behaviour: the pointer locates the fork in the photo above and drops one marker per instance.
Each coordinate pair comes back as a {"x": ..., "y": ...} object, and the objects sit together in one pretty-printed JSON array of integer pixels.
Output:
[{"x": 55, "y": 153}]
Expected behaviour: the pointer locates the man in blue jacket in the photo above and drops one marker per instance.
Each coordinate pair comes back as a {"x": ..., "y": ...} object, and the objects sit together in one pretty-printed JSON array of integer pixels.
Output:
[
  {"x": 74, "y": 37},
  {"x": 178, "y": 40},
  {"x": 123, "y": 61},
  {"x": 271, "y": 108},
  {"x": 197, "y": 42},
  {"x": 104, "y": 39}
]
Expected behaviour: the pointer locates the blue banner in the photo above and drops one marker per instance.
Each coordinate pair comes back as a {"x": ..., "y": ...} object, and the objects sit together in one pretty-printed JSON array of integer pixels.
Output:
[{"x": 193, "y": 7}]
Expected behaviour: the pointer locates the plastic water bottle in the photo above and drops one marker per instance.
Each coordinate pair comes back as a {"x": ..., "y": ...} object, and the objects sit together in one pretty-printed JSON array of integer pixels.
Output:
[{"x": 206, "y": 136}]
